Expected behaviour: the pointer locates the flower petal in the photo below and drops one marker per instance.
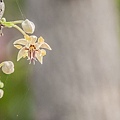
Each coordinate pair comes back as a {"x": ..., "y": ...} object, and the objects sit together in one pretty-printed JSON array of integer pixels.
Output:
[
  {"x": 21, "y": 53},
  {"x": 21, "y": 41},
  {"x": 39, "y": 57},
  {"x": 27, "y": 37},
  {"x": 42, "y": 44},
  {"x": 33, "y": 39},
  {"x": 45, "y": 45},
  {"x": 18, "y": 46},
  {"x": 40, "y": 40},
  {"x": 26, "y": 54},
  {"x": 43, "y": 52}
]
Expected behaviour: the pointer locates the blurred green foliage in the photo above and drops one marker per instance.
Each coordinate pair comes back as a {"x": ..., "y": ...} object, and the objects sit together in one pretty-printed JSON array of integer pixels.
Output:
[
  {"x": 118, "y": 4},
  {"x": 118, "y": 10},
  {"x": 16, "y": 103},
  {"x": 13, "y": 9}
]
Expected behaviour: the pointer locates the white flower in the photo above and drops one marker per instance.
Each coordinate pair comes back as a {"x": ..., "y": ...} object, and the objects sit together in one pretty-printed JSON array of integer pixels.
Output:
[
  {"x": 7, "y": 67},
  {"x": 28, "y": 26},
  {"x": 1, "y": 93},
  {"x": 31, "y": 47}
]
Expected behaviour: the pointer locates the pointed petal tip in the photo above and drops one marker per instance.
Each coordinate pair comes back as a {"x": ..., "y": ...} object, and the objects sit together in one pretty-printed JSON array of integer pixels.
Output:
[
  {"x": 50, "y": 48},
  {"x": 18, "y": 46},
  {"x": 18, "y": 59},
  {"x": 40, "y": 39}
]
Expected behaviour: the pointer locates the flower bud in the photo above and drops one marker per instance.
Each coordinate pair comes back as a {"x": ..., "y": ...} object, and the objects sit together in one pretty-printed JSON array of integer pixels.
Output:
[
  {"x": 28, "y": 26},
  {"x": 1, "y": 93},
  {"x": 1, "y": 84},
  {"x": 8, "y": 67}
]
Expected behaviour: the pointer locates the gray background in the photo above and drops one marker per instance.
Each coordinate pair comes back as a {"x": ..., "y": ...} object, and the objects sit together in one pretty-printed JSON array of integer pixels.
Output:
[{"x": 79, "y": 79}]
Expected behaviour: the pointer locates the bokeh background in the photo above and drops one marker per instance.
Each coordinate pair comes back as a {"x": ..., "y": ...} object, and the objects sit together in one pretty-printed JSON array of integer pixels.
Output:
[{"x": 80, "y": 77}]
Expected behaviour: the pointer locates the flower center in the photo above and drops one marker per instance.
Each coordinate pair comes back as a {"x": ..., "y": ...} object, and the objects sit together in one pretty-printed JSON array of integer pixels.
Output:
[
  {"x": 31, "y": 53},
  {"x": 32, "y": 47}
]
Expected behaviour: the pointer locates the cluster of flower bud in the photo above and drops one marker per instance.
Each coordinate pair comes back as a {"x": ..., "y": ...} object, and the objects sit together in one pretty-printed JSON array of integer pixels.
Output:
[{"x": 7, "y": 68}]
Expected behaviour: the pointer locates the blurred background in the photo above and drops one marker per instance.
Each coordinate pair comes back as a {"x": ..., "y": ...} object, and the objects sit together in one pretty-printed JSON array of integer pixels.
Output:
[{"x": 80, "y": 77}]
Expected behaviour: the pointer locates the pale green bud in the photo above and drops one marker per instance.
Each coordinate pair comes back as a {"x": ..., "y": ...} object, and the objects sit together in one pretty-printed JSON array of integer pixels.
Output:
[
  {"x": 28, "y": 26},
  {"x": 8, "y": 67},
  {"x": 1, "y": 93},
  {"x": 1, "y": 84}
]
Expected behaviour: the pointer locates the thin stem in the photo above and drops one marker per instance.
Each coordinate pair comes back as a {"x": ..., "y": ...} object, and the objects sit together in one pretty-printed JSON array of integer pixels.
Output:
[
  {"x": 17, "y": 22},
  {"x": 18, "y": 28}
]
